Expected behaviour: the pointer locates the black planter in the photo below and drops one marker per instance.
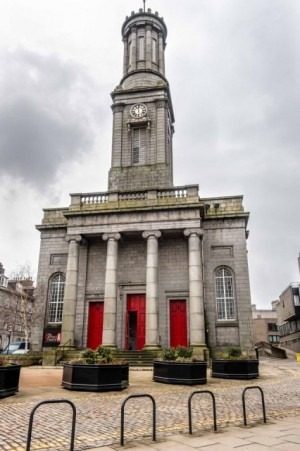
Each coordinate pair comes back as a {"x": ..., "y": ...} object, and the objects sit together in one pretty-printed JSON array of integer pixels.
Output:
[
  {"x": 235, "y": 369},
  {"x": 9, "y": 380},
  {"x": 187, "y": 373},
  {"x": 95, "y": 377}
]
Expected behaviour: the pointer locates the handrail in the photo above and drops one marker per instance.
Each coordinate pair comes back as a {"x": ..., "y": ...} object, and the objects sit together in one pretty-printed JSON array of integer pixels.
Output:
[{"x": 153, "y": 415}]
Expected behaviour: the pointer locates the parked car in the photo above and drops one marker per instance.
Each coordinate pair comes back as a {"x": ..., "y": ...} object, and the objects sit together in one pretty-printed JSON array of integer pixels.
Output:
[{"x": 18, "y": 347}]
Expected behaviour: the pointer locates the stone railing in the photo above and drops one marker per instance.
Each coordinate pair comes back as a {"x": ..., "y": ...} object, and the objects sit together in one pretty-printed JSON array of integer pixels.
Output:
[
  {"x": 94, "y": 198},
  {"x": 178, "y": 194}
]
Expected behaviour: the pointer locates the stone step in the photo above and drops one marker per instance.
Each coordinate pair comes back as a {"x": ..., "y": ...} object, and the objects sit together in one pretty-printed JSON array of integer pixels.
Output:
[{"x": 134, "y": 358}]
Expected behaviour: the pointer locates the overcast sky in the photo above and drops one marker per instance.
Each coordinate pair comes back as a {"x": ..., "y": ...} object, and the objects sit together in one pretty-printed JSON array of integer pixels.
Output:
[{"x": 234, "y": 71}]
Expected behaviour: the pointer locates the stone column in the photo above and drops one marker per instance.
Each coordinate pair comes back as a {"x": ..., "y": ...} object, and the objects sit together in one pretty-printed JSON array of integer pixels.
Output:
[
  {"x": 110, "y": 290},
  {"x": 161, "y": 59},
  {"x": 148, "y": 47},
  {"x": 70, "y": 296},
  {"x": 133, "y": 48},
  {"x": 196, "y": 301},
  {"x": 152, "y": 288},
  {"x": 125, "y": 60}
]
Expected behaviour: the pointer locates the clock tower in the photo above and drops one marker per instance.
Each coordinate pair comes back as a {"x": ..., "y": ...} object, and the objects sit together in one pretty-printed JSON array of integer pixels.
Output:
[{"x": 142, "y": 109}]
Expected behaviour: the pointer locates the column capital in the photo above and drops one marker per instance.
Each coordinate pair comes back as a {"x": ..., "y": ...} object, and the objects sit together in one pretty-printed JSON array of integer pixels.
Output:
[
  {"x": 155, "y": 233},
  {"x": 77, "y": 238},
  {"x": 190, "y": 232},
  {"x": 111, "y": 236}
]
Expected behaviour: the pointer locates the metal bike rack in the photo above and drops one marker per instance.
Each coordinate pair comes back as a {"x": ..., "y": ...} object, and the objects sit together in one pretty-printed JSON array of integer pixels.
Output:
[
  {"x": 213, "y": 405},
  {"x": 52, "y": 401},
  {"x": 262, "y": 402},
  {"x": 153, "y": 415}
]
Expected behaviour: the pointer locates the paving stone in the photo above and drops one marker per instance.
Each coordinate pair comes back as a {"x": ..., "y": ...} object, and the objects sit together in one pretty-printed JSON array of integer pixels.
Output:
[
  {"x": 98, "y": 414},
  {"x": 294, "y": 438},
  {"x": 195, "y": 441},
  {"x": 287, "y": 447},
  {"x": 252, "y": 447}
]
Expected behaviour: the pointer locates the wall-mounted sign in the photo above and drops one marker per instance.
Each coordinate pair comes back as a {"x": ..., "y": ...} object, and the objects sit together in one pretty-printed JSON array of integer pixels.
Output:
[{"x": 52, "y": 336}]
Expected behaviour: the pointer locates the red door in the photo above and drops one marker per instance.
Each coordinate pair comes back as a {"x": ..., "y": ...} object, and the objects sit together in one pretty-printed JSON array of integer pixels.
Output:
[
  {"x": 178, "y": 323},
  {"x": 95, "y": 325},
  {"x": 135, "y": 327}
]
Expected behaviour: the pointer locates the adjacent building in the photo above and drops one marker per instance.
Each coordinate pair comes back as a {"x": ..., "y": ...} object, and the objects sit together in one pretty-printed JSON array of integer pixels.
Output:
[
  {"x": 16, "y": 305},
  {"x": 265, "y": 328},
  {"x": 289, "y": 317},
  {"x": 146, "y": 263}
]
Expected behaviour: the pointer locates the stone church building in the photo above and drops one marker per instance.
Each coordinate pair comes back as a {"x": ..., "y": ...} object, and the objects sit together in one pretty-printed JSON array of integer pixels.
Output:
[{"x": 146, "y": 263}]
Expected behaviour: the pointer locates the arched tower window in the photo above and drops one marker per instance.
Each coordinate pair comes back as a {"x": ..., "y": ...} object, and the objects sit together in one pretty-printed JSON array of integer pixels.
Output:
[
  {"x": 225, "y": 301},
  {"x": 56, "y": 298}
]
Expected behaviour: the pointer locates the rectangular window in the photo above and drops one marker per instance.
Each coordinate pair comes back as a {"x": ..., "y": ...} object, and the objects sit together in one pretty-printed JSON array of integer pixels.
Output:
[
  {"x": 56, "y": 298},
  {"x": 225, "y": 302},
  {"x": 141, "y": 48},
  {"x": 296, "y": 299},
  {"x": 138, "y": 146},
  {"x": 154, "y": 50},
  {"x": 272, "y": 327}
]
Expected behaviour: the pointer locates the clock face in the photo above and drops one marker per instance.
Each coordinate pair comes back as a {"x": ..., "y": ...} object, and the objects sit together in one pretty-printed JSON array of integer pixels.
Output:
[{"x": 138, "y": 110}]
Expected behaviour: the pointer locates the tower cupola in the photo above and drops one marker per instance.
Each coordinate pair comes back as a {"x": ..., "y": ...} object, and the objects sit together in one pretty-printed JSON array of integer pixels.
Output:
[
  {"x": 144, "y": 36},
  {"x": 142, "y": 109}
]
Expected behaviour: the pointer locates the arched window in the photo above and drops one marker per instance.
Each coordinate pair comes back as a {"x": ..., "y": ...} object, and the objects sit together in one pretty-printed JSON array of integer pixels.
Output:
[
  {"x": 56, "y": 298},
  {"x": 225, "y": 294}
]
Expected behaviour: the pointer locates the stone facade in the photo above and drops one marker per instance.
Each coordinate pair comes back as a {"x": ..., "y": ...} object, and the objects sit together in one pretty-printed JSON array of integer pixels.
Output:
[
  {"x": 156, "y": 259},
  {"x": 16, "y": 305}
]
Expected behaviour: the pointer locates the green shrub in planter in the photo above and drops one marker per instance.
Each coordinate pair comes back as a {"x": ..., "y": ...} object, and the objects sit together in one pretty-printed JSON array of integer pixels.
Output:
[
  {"x": 232, "y": 363},
  {"x": 96, "y": 371},
  {"x": 177, "y": 366}
]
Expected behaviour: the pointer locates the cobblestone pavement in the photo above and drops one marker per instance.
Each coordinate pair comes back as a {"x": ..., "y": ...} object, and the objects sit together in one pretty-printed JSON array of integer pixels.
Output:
[{"x": 98, "y": 414}]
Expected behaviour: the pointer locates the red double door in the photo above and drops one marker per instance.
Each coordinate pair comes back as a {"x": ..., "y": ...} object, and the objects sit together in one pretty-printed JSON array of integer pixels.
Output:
[
  {"x": 95, "y": 324},
  {"x": 178, "y": 323},
  {"x": 135, "y": 322}
]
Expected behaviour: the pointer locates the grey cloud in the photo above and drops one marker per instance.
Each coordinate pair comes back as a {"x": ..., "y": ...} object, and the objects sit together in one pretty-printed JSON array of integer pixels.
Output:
[
  {"x": 34, "y": 141},
  {"x": 46, "y": 115}
]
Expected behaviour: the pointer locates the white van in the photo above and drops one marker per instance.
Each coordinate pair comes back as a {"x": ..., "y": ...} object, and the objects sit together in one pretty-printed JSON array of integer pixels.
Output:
[{"x": 18, "y": 347}]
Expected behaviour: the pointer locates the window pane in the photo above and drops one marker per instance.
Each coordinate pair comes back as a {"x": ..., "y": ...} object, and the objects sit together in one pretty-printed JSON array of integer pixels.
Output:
[
  {"x": 224, "y": 295},
  {"x": 56, "y": 297},
  {"x": 139, "y": 145}
]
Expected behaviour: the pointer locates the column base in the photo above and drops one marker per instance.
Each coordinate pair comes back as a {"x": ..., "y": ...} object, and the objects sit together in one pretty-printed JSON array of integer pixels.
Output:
[{"x": 200, "y": 351}]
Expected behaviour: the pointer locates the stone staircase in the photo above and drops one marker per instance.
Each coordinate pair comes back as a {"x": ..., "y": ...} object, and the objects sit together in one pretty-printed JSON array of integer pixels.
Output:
[
  {"x": 134, "y": 358},
  {"x": 137, "y": 358}
]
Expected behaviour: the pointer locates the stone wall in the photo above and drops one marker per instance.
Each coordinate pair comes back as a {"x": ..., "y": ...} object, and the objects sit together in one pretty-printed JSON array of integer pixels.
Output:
[
  {"x": 52, "y": 259},
  {"x": 224, "y": 244}
]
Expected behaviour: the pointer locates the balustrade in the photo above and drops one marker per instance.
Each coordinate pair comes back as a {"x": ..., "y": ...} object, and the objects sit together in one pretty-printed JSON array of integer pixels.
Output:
[{"x": 183, "y": 193}]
